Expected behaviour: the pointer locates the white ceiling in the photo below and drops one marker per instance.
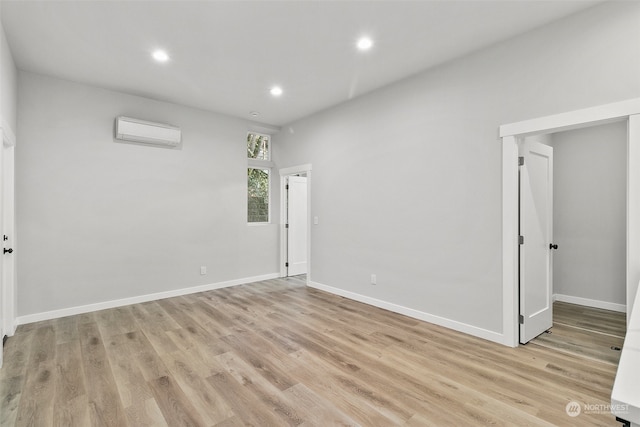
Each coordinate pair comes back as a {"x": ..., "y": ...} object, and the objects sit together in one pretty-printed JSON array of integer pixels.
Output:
[{"x": 225, "y": 55}]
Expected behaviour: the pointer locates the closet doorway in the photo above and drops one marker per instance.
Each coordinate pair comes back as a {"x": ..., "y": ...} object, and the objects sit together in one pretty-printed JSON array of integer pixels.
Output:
[
  {"x": 588, "y": 268},
  {"x": 625, "y": 111}
]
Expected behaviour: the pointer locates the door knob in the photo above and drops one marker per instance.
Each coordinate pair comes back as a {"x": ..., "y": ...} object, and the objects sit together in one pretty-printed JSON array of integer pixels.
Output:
[
  {"x": 8, "y": 251},
  {"x": 552, "y": 246}
]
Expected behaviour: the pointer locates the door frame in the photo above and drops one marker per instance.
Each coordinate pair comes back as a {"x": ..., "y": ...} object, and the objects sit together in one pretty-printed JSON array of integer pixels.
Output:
[
  {"x": 510, "y": 135},
  {"x": 284, "y": 173},
  {"x": 7, "y": 287}
]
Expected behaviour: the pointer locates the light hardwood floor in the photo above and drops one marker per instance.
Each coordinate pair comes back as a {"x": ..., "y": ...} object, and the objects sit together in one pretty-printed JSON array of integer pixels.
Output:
[
  {"x": 585, "y": 331},
  {"x": 276, "y": 353}
]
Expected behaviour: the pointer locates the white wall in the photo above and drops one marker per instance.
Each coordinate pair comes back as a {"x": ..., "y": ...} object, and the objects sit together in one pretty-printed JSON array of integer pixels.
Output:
[
  {"x": 8, "y": 84},
  {"x": 407, "y": 180},
  {"x": 102, "y": 220},
  {"x": 590, "y": 184}
]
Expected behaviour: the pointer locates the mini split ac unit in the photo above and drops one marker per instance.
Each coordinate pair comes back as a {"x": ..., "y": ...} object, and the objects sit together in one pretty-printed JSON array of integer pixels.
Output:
[{"x": 128, "y": 129}]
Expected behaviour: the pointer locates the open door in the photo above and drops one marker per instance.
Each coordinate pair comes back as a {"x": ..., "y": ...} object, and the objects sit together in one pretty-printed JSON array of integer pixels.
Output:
[
  {"x": 2, "y": 267},
  {"x": 7, "y": 231},
  {"x": 536, "y": 231},
  {"x": 296, "y": 225}
]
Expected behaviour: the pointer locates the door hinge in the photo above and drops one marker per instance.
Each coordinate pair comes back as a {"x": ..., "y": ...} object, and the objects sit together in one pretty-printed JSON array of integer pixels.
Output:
[
  {"x": 286, "y": 226},
  {"x": 521, "y": 319},
  {"x": 521, "y": 240},
  {"x": 520, "y": 161},
  {"x": 286, "y": 264},
  {"x": 286, "y": 187}
]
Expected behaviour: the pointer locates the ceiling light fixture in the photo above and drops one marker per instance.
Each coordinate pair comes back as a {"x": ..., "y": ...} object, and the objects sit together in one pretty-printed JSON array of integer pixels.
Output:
[
  {"x": 254, "y": 113},
  {"x": 276, "y": 91},
  {"x": 160, "y": 55},
  {"x": 364, "y": 43}
]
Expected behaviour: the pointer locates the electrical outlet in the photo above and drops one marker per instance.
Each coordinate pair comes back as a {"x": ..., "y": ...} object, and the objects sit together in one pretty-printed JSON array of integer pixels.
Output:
[
  {"x": 203, "y": 270},
  {"x": 373, "y": 279}
]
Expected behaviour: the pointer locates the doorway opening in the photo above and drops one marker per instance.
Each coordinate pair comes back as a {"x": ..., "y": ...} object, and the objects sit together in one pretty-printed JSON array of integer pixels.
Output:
[
  {"x": 511, "y": 134},
  {"x": 295, "y": 221},
  {"x": 584, "y": 253}
]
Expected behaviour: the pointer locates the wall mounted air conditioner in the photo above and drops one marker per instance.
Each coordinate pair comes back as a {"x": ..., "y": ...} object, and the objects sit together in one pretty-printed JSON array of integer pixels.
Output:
[{"x": 128, "y": 129}]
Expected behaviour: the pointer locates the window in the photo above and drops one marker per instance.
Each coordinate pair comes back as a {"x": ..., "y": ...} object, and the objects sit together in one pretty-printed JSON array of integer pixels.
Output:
[
  {"x": 258, "y": 146},
  {"x": 258, "y": 201},
  {"x": 258, "y": 177}
]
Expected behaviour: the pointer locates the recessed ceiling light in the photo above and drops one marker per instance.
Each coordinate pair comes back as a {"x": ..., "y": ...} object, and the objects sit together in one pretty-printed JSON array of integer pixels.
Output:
[
  {"x": 364, "y": 43},
  {"x": 160, "y": 55},
  {"x": 254, "y": 113},
  {"x": 276, "y": 91}
]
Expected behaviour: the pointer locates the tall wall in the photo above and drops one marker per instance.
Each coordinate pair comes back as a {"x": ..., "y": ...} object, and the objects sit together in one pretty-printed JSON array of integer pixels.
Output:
[
  {"x": 102, "y": 220},
  {"x": 589, "y": 221},
  {"x": 407, "y": 180},
  {"x": 8, "y": 83}
]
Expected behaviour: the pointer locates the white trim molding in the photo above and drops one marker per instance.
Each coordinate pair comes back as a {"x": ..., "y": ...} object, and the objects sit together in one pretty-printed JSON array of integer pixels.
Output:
[
  {"x": 296, "y": 169},
  {"x": 260, "y": 164},
  {"x": 628, "y": 110},
  {"x": 633, "y": 210},
  {"x": 510, "y": 221},
  {"x": 625, "y": 395},
  {"x": 55, "y": 314},
  {"x": 605, "y": 305},
  {"x": 592, "y": 116},
  {"x": 416, "y": 314}
]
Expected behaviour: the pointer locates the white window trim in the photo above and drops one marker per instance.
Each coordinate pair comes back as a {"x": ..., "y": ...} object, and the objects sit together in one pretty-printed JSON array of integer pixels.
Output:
[{"x": 260, "y": 164}]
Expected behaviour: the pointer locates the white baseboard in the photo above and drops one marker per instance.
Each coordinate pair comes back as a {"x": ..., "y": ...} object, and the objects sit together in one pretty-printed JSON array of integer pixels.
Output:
[
  {"x": 55, "y": 314},
  {"x": 591, "y": 303},
  {"x": 420, "y": 315},
  {"x": 9, "y": 329}
]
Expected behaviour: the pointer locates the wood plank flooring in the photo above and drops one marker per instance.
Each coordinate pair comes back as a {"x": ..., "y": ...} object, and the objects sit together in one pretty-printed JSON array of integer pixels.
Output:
[
  {"x": 277, "y": 353},
  {"x": 585, "y": 331}
]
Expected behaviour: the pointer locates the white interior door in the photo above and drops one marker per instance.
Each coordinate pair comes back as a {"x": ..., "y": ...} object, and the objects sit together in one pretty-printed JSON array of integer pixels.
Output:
[
  {"x": 7, "y": 230},
  {"x": 2, "y": 268},
  {"x": 536, "y": 228},
  {"x": 297, "y": 218}
]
